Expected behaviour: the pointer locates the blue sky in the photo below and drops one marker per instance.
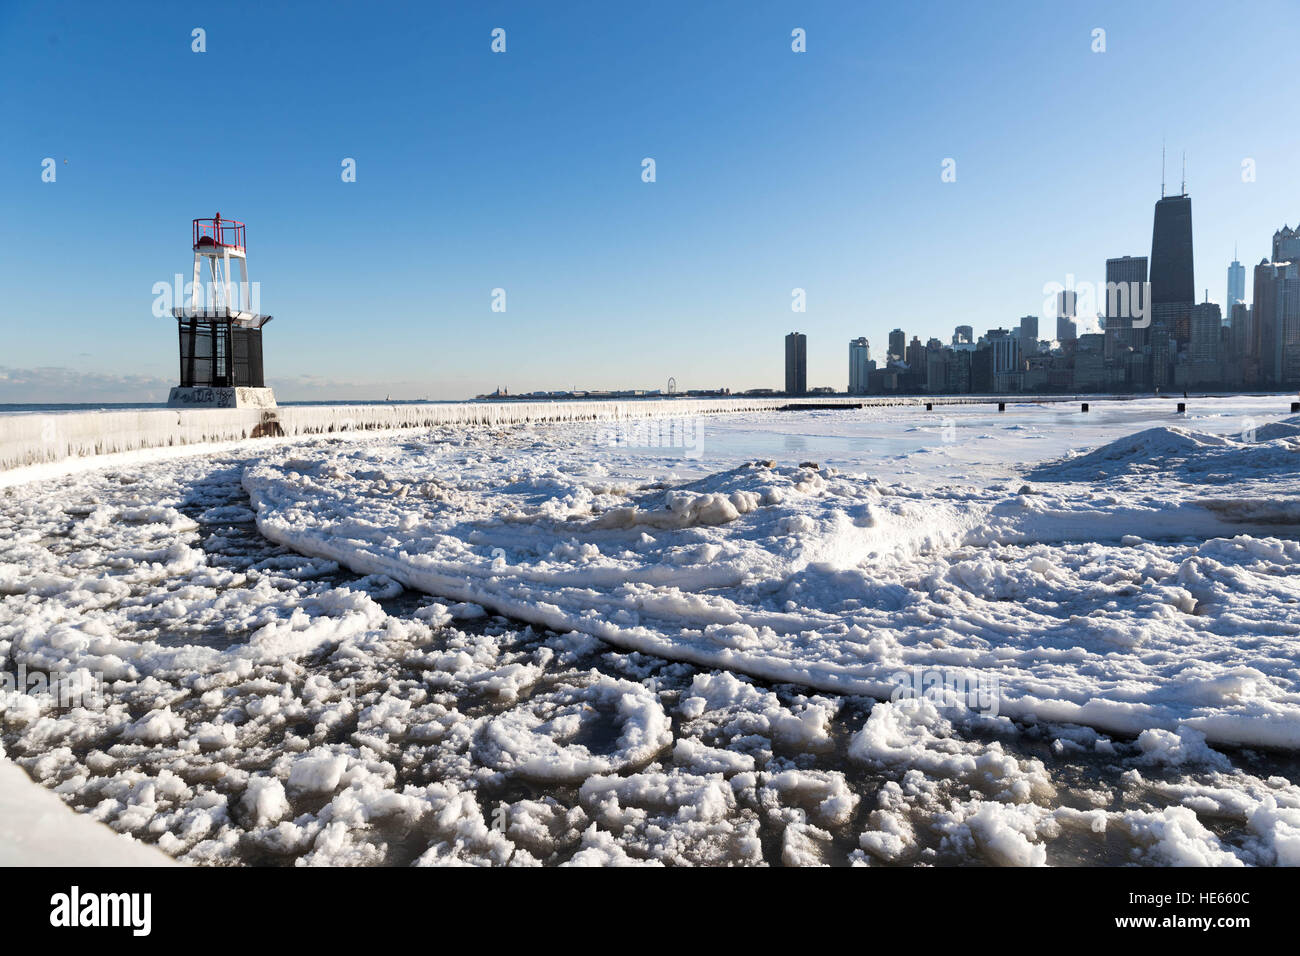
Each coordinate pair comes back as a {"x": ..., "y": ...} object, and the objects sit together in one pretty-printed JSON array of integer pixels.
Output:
[{"x": 775, "y": 170}]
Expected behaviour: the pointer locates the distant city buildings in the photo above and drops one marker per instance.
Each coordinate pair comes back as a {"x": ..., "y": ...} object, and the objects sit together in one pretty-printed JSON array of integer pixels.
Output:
[
  {"x": 1264, "y": 317},
  {"x": 1005, "y": 359},
  {"x": 796, "y": 364},
  {"x": 1286, "y": 245},
  {"x": 1067, "y": 307},
  {"x": 897, "y": 346},
  {"x": 1241, "y": 348},
  {"x": 1276, "y": 313},
  {"x": 502, "y": 394},
  {"x": 1091, "y": 373},
  {"x": 1067, "y": 330},
  {"x": 1125, "y": 314},
  {"x": 860, "y": 366},
  {"x": 915, "y": 355},
  {"x": 1205, "y": 338},
  {"x": 1288, "y": 319},
  {"x": 1236, "y": 284},
  {"x": 1126, "y": 288},
  {"x": 1154, "y": 335},
  {"x": 1028, "y": 335},
  {"x": 1273, "y": 354}
]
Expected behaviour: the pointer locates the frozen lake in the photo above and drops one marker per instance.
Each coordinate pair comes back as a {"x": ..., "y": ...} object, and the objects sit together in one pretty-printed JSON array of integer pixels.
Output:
[
  {"x": 552, "y": 643},
  {"x": 977, "y": 434}
]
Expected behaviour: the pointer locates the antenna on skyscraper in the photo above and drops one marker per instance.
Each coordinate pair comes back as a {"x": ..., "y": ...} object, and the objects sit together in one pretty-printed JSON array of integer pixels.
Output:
[
  {"x": 1184, "y": 186},
  {"x": 1162, "y": 169}
]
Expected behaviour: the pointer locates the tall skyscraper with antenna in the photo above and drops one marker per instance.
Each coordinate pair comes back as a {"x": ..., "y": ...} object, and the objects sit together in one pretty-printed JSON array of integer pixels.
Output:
[
  {"x": 1173, "y": 283},
  {"x": 1236, "y": 283}
]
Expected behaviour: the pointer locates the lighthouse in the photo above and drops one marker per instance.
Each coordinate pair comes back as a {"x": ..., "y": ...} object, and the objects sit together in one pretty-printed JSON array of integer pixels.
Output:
[{"x": 220, "y": 329}]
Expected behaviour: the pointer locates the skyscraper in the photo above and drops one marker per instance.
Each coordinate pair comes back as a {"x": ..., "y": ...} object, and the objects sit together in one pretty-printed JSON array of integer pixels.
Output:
[
  {"x": 1286, "y": 245},
  {"x": 1236, "y": 284},
  {"x": 1173, "y": 283},
  {"x": 1276, "y": 312},
  {"x": 796, "y": 364},
  {"x": 859, "y": 365},
  {"x": 1028, "y": 335},
  {"x": 1126, "y": 302},
  {"x": 916, "y": 362},
  {"x": 1206, "y": 332},
  {"x": 1263, "y": 313},
  {"x": 1067, "y": 306},
  {"x": 1283, "y": 303},
  {"x": 897, "y": 345},
  {"x": 1243, "y": 339},
  {"x": 1126, "y": 290},
  {"x": 1005, "y": 359},
  {"x": 963, "y": 335},
  {"x": 1288, "y": 323}
]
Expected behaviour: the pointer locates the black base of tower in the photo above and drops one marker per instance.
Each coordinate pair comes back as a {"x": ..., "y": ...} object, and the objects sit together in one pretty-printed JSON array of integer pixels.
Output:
[{"x": 220, "y": 353}]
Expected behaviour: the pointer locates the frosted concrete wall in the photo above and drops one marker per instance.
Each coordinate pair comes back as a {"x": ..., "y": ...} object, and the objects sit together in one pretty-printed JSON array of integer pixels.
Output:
[{"x": 34, "y": 438}]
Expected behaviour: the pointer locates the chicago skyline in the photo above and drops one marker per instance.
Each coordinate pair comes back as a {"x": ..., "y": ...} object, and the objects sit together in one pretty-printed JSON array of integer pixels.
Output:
[{"x": 1154, "y": 334}]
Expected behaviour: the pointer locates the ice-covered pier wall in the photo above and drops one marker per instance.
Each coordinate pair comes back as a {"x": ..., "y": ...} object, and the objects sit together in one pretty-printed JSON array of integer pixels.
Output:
[{"x": 35, "y": 438}]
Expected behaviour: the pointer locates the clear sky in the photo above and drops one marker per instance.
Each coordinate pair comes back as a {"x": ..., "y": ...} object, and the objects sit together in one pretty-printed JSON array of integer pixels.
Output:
[{"x": 522, "y": 170}]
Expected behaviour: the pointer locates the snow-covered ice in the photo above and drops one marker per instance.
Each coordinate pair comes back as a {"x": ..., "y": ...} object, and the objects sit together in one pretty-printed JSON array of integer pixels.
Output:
[
  {"x": 523, "y": 645},
  {"x": 837, "y": 579}
]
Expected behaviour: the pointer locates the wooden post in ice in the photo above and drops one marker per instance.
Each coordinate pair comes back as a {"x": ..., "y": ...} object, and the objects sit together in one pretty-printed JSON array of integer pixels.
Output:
[{"x": 1083, "y": 407}]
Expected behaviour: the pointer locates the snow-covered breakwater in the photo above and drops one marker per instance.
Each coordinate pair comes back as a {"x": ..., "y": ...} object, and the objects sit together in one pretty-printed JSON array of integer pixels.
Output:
[{"x": 32, "y": 439}]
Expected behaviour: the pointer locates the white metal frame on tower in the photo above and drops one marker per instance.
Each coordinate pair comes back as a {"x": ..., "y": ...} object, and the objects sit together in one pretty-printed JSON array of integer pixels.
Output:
[
  {"x": 219, "y": 255},
  {"x": 219, "y": 270}
]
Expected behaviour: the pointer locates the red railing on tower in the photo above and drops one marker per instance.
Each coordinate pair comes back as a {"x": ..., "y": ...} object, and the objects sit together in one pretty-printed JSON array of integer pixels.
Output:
[{"x": 218, "y": 233}]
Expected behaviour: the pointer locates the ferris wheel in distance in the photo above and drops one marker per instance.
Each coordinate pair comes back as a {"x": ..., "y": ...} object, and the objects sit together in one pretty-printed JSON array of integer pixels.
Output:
[{"x": 672, "y": 385}]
